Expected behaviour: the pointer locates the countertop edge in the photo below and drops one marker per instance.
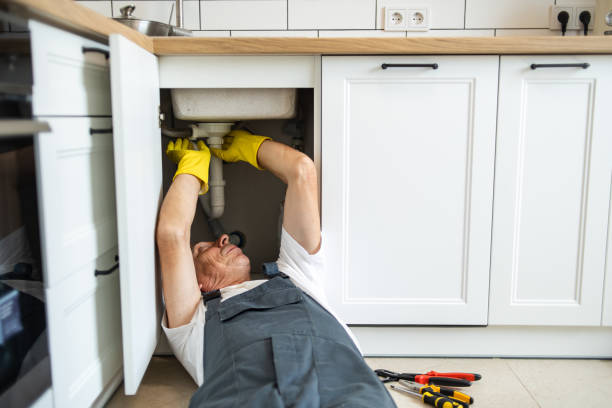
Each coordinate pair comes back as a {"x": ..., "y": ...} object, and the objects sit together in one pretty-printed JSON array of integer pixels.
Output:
[{"x": 371, "y": 46}]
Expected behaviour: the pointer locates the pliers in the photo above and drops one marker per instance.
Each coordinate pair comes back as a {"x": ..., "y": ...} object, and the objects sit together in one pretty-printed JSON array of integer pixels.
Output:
[{"x": 452, "y": 380}]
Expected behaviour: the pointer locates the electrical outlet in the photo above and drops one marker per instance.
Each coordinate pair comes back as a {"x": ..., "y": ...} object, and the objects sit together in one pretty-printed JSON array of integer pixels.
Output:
[
  {"x": 396, "y": 19},
  {"x": 554, "y": 12},
  {"x": 418, "y": 19},
  {"x": 580, "y": 9},
  {"x": 406, "y": 19}
]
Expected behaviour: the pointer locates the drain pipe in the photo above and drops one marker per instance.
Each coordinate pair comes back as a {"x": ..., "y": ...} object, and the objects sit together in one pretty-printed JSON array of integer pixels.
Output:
[{"x": 213, "y": 203}]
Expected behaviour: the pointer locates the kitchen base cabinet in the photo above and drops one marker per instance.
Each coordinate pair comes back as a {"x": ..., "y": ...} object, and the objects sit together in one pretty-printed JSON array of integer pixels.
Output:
[
  {"x": 137, "y": 158},
  {"x": 552, "y": 191},
  {"x": 407, "y": 188},
  {"x": 75, "y": 176},
  {"x": 87, "y": 354}
]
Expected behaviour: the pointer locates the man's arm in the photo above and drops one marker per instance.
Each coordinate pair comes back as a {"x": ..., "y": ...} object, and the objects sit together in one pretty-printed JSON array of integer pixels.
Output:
[
  {"x": 301, "y": 219},
  {"x": 181, "y": 291}
]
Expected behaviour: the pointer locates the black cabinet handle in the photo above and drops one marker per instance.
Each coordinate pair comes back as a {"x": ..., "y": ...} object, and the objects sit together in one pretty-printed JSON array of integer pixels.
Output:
[
  {"x": 108, "y": 271},
  {"x": 100, "y": 131},
  {"x": 432, "y": 66},
  {"x": 100, "y": 50},
  {"x": 583, "y": 65}
]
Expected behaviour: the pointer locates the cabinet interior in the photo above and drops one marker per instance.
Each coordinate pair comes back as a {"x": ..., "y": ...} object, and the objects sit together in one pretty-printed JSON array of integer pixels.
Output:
[{"x": 253, "y": 199}]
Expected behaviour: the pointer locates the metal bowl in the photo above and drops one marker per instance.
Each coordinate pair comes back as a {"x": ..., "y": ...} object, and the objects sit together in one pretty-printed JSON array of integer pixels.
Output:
[{"x": 147, "y": 27}]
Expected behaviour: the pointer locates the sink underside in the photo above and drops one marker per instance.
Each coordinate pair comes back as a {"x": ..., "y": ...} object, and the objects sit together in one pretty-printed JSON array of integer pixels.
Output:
[{"x": 231, "y": 104}]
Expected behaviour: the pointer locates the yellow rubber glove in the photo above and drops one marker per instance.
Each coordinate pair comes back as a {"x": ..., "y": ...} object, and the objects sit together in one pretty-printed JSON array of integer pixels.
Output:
[
  {"x": 240, "y": 145},
  {"x": 190, "y": 161}
]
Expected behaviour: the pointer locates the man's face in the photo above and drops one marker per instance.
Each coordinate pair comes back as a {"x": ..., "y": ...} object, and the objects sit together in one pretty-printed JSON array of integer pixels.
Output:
[{"x": 219, "y": 263}]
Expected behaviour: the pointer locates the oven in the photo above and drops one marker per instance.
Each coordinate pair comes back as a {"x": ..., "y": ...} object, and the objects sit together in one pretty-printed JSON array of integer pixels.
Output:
[{"x": 24, "y": 357}]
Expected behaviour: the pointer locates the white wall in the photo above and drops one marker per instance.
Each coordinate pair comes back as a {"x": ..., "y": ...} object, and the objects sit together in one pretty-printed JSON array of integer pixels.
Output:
[{"x": 348, "y": 18}]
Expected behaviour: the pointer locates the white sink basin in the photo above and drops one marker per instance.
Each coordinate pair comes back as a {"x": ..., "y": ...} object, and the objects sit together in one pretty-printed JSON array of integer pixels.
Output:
[{"x": 231, "y": 104}]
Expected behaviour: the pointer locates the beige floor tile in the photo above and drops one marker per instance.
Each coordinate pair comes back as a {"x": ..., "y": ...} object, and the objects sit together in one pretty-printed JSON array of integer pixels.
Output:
[
  {"x": 566, "y": 383},
  {"x": 499, "y": 387},
  {"x": 165, "y": 384}
]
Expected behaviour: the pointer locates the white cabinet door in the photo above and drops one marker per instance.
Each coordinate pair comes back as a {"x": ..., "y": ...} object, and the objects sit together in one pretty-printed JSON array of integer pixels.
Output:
[
  {"x": 407, "y": 187},
  {"x": 135, "y": 98},
  {"x": 75, "y": 177},
  {"x": 83, "y": 318},
  {"x": 70, "y": 73},
  {"x": 552, "y": 191}
]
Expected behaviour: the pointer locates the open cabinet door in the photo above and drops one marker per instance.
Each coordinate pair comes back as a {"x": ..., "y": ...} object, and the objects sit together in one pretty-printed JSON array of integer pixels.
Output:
[{"x": 138, "y": 175}]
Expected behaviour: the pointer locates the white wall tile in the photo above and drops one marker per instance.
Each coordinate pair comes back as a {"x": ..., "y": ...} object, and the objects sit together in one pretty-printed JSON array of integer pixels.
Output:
[
  {"x": 577, "y": 2},
  {"x": 452, "y": 33},
  {"x": 361, "y": 33},
  {"x": 444, "y": 13},
  {"x": 331, "y": 14},
  {"x": 507, "y": 13},
  {"x": 102, "y": 7},
  {"x": 279, "y": 33},
  {"x": 211, "y": 33},
  {"x": 244, "y": 15},
  {"x": 528, "y": 32},
  {"x": 191, "y": 15},
  {"x": 147, "y": 10}
]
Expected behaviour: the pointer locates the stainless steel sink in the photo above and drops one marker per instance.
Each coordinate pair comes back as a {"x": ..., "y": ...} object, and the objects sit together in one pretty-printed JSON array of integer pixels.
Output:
[{"x": 147, "y": 27}]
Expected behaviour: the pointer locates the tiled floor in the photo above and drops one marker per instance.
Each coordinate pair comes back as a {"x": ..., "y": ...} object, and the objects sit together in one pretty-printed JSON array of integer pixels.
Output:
[{"x": 505, "y": 382}]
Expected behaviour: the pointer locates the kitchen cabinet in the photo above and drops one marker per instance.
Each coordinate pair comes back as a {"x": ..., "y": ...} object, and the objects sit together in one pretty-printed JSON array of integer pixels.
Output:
[
  {"x": 76, "y": 193},
  {"x": 407, "y": 187},
  {"x": 137, "y": 154},
  {"x": 407, "y": 158},
  {"x": 137, "y": 158},
  {"x": 77, "y": 214},
  {"x": 552, "y": 191}
]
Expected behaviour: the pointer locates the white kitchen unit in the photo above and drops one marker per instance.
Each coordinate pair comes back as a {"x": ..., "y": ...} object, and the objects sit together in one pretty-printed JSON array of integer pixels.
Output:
[
  {"x": 136, "y": 121},
  {"x": 552, "y": 191},
  {"x": 408, "y": 157},
  {"x": 137, "y": 153},
  {"x": 77, "y": 214},
  {"x": 76, "y": 192}
]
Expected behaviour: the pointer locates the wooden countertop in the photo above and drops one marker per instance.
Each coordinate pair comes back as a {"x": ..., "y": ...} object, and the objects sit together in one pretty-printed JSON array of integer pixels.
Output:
[
  {"x": 415, "y": 45},
  {"x": 70, "y": 15}
]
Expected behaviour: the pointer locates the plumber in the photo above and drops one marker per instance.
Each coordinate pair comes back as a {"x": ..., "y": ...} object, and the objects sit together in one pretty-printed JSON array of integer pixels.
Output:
[{"x": 256, "y": 343}]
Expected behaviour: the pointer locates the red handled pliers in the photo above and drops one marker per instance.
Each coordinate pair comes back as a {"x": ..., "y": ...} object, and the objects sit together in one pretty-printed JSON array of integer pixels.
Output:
[{"x": 388, "y": 376}]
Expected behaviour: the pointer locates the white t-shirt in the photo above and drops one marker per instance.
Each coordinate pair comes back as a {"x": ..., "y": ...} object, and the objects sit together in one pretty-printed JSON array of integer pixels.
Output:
[{"x": 304, "y": 270}]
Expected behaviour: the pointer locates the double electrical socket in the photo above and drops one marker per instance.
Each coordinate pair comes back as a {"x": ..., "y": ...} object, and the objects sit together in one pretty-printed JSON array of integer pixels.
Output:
[
  {"x": 574, "y": 12},
  {"x": 415, "y": 18}
]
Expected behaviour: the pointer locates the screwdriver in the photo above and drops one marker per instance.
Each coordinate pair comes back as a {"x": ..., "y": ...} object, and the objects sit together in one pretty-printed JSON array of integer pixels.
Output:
[
  {"x": 465, "y": 376},
  {"x": 438, "y": 401},
  {"x": 449, "y": 392}
]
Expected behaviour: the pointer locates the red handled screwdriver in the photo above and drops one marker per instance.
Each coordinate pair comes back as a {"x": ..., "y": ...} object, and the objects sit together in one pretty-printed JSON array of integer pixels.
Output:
[{"x": 465, "y": 376}]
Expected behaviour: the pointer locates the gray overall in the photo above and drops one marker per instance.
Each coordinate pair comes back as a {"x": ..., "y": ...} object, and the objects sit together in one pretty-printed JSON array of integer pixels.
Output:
[{"x": 274, "y": 346}]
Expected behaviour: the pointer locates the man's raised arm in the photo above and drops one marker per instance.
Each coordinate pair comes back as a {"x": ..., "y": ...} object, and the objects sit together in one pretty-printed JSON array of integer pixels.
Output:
[
  {"x": 180, "y": 285},
  {"x": 301, "y": 219}
]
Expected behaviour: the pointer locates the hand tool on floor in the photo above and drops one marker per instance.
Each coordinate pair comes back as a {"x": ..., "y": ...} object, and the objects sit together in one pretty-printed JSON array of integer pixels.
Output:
[
  {"x": 389, "y": 376},
  {"x": 447, "y": 392},
  {"x": 438, "y": 401},
  {"x": 465, "y": 376}
]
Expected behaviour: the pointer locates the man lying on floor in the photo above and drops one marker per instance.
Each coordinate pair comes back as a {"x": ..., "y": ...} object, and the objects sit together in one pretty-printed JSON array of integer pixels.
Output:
[{"x": 256, "y": 343}]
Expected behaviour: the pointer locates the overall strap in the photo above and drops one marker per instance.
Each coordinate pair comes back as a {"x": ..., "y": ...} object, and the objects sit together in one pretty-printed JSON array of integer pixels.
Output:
[
  {"x": 270, "y": 269},
  {"x": 213, "y": 294}
]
